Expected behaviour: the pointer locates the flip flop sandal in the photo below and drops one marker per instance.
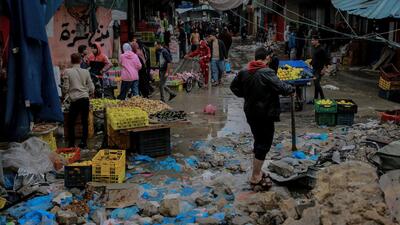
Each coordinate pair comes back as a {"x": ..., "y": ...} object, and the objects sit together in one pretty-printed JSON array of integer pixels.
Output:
[{"x": 263, "y": 185}]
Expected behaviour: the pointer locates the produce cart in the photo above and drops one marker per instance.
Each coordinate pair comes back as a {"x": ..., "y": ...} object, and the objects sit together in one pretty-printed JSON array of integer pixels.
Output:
[{"x": 298, "y": 74}]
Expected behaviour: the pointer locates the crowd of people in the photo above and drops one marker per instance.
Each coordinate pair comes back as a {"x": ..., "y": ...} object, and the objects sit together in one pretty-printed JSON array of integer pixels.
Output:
[{"x": 258, "y": 84}]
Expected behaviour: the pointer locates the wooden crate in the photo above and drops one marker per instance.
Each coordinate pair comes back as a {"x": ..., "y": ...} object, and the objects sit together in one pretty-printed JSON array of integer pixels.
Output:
[
  {"x": 117, "y": 139},
  {"x": 78, "y": 126}
]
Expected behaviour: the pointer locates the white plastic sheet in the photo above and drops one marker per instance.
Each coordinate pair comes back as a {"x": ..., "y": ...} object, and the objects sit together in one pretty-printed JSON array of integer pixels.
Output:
[{"x": 223, "y": 5}]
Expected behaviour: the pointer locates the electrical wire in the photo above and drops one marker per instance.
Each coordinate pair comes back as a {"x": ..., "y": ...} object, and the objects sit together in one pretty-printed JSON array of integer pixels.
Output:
[
  {"x": 304, "y": 23},
  {"x": 347, "y": 22},
  {"x": 294, "y": 13},
  {"x": 298, "y": 38},
  {"x": 361, "y": 37},
  {"x": 376, "y": 39}
]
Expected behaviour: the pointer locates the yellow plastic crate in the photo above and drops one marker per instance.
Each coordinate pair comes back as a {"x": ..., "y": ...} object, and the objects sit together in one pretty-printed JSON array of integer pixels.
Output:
[
  {"x": 127, "y": 118},
  {"x": 389, "y": 85},
  {"x": 108, "y": 166},
  {"x": 50, "y": 140}
]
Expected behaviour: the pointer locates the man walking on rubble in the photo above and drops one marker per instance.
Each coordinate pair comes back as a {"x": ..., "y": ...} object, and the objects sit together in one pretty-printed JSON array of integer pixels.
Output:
[{"x": 260, "y": 87}]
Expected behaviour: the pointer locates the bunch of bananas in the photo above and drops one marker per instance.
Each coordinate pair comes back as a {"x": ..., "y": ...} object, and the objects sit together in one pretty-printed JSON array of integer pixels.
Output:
[
  {"x": 289, "y": 73},
  {"x": 344, "y": 102},
  {"x": 325, "y": 102},
  {"x": 99, "y": 104}
]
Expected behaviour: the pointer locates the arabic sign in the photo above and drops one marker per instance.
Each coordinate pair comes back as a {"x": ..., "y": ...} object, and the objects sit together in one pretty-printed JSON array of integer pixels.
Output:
[{"x": 70, "y": 35}]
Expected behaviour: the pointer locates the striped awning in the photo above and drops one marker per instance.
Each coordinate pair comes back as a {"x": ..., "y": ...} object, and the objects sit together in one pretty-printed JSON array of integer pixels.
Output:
[{"x": 372, "y": 9}]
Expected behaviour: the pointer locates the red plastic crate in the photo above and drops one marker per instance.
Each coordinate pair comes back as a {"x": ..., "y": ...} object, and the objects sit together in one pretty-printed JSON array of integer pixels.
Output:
[
  {"x": 75, "y": 151},
  {"x": 392, "y": 116}
]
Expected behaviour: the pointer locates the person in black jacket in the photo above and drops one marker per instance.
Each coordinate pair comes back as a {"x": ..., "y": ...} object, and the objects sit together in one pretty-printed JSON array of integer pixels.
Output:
[
  {"x": 319, "y": 60},
  {"x": 182, "y": 42},
  {"x": 260, "y": 87},
  {"x": 218, "y": 56}
]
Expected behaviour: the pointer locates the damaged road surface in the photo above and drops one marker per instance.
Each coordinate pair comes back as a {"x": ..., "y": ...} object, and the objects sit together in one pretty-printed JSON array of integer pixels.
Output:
[{"x": 333, "y": 178}]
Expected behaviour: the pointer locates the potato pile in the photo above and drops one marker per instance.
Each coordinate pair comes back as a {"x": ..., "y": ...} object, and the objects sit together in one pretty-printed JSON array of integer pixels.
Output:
[{"x": 149, "y": 106}]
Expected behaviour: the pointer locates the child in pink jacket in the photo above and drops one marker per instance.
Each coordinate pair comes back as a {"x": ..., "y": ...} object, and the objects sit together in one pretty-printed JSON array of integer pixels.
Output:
[{"x": 130, "y": 72}]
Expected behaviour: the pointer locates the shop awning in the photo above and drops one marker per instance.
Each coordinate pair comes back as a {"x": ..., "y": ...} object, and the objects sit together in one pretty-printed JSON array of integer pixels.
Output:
[
  {"x": 223, "y": 5},
  {"x": 372, "y": 9}
]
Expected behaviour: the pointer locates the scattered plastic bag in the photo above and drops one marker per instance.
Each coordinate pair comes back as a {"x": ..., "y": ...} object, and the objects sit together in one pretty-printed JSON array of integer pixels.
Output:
[
  {"x": 33, "y": 158},
  {"x": 210, "y": 109},
  {"x": 330, "y": 87},
  {"x": 38, "y": 217}
]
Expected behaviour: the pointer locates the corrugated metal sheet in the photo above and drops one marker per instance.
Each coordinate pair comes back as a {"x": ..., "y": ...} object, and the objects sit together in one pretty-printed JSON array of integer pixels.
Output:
[{"x": 373, "y": 9}]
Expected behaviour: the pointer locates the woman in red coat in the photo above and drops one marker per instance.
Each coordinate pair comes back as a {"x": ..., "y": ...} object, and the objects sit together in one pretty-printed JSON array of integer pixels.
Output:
[{"x": 204, "y": 53}]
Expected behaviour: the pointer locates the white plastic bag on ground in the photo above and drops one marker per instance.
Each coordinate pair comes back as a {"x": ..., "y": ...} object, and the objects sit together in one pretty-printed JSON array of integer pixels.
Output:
[{"x": 30, "y": 157}]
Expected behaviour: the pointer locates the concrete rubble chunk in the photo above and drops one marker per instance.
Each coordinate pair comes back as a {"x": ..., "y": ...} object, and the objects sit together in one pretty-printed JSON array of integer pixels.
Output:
[
  {"x": 67, "y": 218},
  {"x": 150, "y": 208},
  {"x": 145, "y": 220},
  {"x": 303, "y": 204},
  {"x": 157, "y": 218},
  {"x": 282, "y": 168},
  {"x": 311, "y": 216},
  {"x": 350, "y": 189},
  {"x": 207, "y": 221},
  {"x": 202, "y": 201},
  {"x": 390, "y": 185},
  {"x": 242, "y": 220},
  {"x": 170, "y": 207},
  {"x": 288, "y": 208}
]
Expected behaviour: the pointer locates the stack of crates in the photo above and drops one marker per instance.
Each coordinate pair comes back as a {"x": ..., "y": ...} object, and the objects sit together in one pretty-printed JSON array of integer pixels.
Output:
[
  {"x": 325, "y": 114},
  {"x": 346, "y": 109},
  {"x": 389, "y": 83},
  {"x": 127, "y": 117},
  {"x": 108, "y": 166}
]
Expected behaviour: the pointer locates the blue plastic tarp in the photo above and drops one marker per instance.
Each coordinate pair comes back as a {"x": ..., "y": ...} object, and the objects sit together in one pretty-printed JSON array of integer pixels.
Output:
[
  {"x": 32, "y": 92},
  {"x": 373, "y": 9},
  {"x": 293, "y": 63}
]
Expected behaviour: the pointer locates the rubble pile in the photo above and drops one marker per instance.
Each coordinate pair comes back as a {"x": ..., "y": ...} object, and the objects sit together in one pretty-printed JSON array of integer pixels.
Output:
[
  {"x": 347, "y": 194},
  {"x": 209, "y": 185}
]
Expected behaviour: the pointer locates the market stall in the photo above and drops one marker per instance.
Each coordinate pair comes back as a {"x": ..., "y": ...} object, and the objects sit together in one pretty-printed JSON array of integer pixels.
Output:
[
  {"x": 299, "y": 74},
  {"x": 138, "y": 124}
]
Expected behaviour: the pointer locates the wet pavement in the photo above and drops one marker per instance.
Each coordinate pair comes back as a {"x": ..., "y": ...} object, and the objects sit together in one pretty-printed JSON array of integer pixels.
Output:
[
  {"x": 229, "y": 119},
  {"x": 204, "y": 181}
]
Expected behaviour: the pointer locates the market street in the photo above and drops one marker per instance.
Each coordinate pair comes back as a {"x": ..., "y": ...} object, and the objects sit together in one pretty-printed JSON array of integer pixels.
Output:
[
  {"x": 230, "y": 117},
  {"x": 200, "y": 112}
]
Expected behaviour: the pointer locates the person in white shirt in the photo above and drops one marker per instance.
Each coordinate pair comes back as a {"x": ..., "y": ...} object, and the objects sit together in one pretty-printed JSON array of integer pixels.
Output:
[{"x": 78, "y": 86}]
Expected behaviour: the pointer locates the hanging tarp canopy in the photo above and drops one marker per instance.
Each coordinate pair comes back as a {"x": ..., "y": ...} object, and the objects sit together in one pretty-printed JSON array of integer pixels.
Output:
[
  {"x": 372, "y": 9},
  {"x": 32, "y": 91},
  {"x": 121, "y": 5},
  {"x": 223, "y": 5}
]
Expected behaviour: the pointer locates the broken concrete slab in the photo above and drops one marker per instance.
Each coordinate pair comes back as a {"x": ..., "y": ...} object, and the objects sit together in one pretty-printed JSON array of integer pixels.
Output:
[
  {"x": 349, "y": 192},
  {"x": 390, "y": 185},
  {"x": 281, "y": 168},
  {"x": 170, "y": 207}
]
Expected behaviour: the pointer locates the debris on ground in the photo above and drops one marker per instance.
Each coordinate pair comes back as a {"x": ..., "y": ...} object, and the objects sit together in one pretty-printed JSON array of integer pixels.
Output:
[{"x": 209, "y": 185}]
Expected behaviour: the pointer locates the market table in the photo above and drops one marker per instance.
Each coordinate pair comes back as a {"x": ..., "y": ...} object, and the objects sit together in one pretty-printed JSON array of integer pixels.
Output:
[{"x": 153, "y": 140}]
